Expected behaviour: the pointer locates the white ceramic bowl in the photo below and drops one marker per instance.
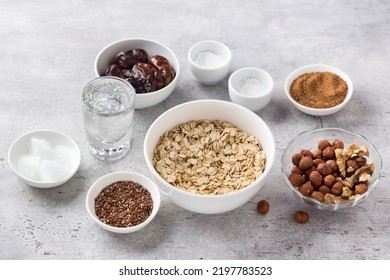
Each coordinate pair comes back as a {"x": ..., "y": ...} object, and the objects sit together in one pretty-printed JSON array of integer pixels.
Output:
[
  {"x": 21, "y": 145},
  {"x": 209, "y": 75},
  {"x": 107, "y": 180},
  {"x": 142, "y": 100},
  {"x": 253, "y": 101},
  {"x": 318, "y": 68},
  {"x": 239, "y": 116}
]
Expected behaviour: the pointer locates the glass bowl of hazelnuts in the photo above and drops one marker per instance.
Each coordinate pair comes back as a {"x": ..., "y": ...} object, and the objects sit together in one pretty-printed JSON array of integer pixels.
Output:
[{"x": 331, "y": 168}]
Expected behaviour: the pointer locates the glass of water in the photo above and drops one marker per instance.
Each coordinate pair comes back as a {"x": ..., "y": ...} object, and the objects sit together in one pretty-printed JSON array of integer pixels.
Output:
[{"x": 108, "y": 109}]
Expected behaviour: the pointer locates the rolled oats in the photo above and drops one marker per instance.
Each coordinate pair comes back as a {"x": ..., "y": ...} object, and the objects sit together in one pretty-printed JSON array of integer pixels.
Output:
[{"x": 208, "y": 157}]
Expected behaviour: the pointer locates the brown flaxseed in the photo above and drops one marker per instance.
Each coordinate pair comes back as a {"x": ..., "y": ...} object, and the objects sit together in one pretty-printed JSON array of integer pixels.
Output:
[{"x": 123, "y": 204}]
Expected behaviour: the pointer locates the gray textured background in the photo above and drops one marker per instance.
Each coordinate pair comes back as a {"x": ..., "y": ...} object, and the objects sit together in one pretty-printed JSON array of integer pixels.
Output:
[{"x": 47, "y": 52}]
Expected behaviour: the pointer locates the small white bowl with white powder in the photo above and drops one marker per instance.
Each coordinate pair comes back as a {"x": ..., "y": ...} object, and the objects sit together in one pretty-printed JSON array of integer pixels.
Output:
[
  {"x": 251, "y": 87},
  {"x": 209, "y": 61},
  {"x": 44, "y": 158}
]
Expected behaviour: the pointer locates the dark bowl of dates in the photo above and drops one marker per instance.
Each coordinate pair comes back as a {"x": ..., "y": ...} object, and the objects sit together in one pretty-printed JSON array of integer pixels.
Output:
[
  {"x": 123, "y": 202},
  {"x": 149, "y": 66},
  {"x": 331, "y": 168}
]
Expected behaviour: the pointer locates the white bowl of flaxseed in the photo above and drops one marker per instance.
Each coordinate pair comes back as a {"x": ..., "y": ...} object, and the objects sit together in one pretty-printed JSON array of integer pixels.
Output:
[
  {"x": 123, "y": 202},
  {"x": 318, "y": 89},
  {"x": 209, "y": 156}
]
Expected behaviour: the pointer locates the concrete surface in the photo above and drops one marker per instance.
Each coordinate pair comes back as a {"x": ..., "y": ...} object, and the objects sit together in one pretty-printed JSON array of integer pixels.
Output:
[{"x": 47, "y": 53}]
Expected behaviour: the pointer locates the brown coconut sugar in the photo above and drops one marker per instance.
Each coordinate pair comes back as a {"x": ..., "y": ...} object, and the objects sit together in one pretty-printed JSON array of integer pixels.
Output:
[{"x": 319, "y": 90}]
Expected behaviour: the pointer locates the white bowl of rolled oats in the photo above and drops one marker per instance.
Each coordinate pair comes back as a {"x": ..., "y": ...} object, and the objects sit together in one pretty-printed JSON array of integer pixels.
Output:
[{"x": 209, "y": 156}]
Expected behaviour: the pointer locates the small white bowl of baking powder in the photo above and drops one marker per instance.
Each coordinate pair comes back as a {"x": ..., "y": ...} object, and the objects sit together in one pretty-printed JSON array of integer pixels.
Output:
[
  {"x": 251, "y": 87},
  {"x": 209, "y": 61}
]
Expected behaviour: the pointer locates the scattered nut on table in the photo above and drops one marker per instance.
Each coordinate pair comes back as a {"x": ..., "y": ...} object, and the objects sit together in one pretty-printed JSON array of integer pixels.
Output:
[
  {"x": 301, "y": 217},
  {"x": 263, "y": 207}
]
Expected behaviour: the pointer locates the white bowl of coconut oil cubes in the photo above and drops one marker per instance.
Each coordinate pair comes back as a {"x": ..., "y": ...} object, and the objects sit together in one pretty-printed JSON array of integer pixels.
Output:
[
  {"x": 44, "y": 158},
  {"x": 251, "y": 87},
  {"x": 209, "y": 61}
]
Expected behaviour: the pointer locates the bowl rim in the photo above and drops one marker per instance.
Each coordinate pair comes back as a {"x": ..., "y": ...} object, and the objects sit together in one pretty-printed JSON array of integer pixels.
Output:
[
  {"x": 35, "y": 182},
  {"x": 203, "y": 68},
  {"x": 331, "y": 204},
  {"x": 176, "y": 68},
  {"x": 325, "y": 67},
  {"x": 156, "y": 202},
  {"x": 269, "y": 159},
  {"x": 251, "y": 69}
]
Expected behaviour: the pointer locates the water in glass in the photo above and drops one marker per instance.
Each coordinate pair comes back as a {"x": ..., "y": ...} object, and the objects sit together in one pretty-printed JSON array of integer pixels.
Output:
[{"x": 108, "y": 108}]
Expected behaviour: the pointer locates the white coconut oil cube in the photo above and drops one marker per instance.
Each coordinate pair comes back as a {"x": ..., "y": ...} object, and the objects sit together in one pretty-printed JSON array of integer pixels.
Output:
[
  {"x": 42, "y": 148},
  {"x": 50, "y": 171},
  {"x": 28, "y": 166},
  {"x": 64, "y": 155}
]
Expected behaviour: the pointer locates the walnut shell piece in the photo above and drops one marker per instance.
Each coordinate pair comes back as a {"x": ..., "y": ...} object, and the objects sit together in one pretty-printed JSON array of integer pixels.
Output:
[
  {"x": 341, "y": 158},
  {"x": 329, "y": 198},
  {"x": 358, "y": 150},
  {"x": 347, "y": 192}
]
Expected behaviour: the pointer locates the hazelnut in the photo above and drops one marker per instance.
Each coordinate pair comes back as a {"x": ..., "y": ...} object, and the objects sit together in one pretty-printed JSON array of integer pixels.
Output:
[
  {"x": 329, "y": 180},
  {"x": 296, "y": 158},
  {"x": 301, "y": 217},
  {"x": 296, "y": 180},
  {"x": 306, "y": 189},
  {"x": 338, "y": 144},
  {"x": 305, "y": 162},
  {"x": 323, "y": 144},
  {"x": 324, "y": 189},
  {"x": 307, "y": 153},
  {"x": 337, "y": 188},
  {"x": 315, "y": 179},
  {"x": 361, "y": 188},
  {"x": 308, "y": 171},
  {"x": 328, "y": 153},
  {"x": 333, "y": 164},
  {"x": 324, "y": 169},
  {"x": 317, "y": 161},
  {"x": 317, "y": 154},
  {"x": 263, "y": 207},
  {"x": 319, "y": 196},
  {"x": 296, "y": 170}
]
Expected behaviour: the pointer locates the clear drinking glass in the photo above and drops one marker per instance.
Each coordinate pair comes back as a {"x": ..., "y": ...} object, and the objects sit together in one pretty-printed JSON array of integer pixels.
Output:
[{"x": 108, "y": 108}]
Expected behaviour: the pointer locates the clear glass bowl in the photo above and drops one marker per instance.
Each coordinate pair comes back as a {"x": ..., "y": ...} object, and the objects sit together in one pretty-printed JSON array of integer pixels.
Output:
[{"x": 309, "y": 140}]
